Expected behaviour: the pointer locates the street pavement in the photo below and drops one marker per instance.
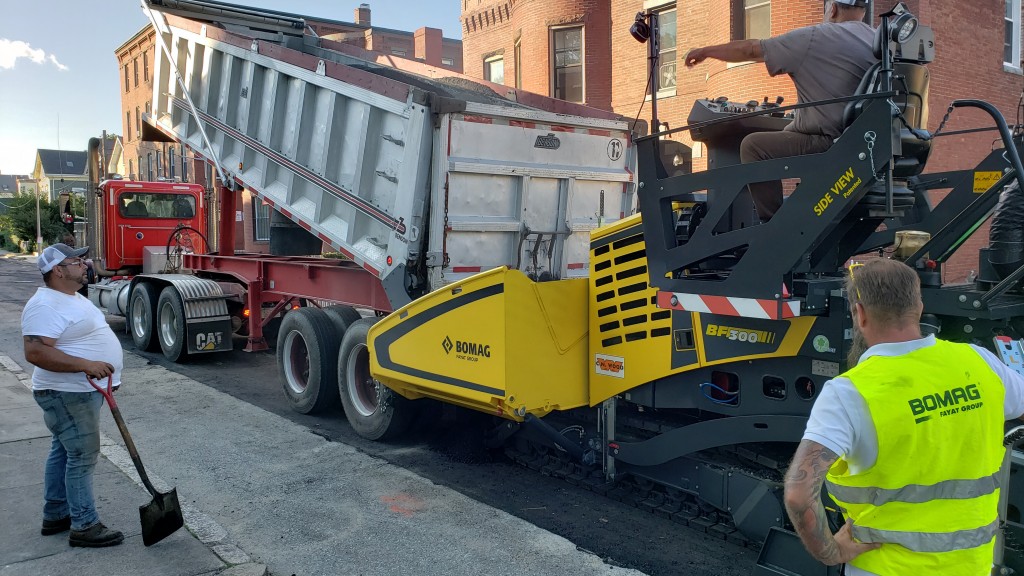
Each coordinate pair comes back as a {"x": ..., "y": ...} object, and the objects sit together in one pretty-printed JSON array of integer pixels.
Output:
[{"x": 260, "y": 494}]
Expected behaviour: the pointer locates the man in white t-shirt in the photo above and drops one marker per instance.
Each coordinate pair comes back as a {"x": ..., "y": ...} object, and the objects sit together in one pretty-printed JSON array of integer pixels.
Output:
[
  {"x": 909, "y": 442},
  {"x": 67, "y": 338}
]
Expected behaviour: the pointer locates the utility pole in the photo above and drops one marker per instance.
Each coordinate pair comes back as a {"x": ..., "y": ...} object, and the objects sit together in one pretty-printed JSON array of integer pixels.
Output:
[{"x": 39, "y": 229}]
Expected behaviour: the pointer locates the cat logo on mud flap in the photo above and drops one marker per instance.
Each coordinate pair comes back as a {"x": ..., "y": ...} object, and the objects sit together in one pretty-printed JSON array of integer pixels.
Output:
[
  {"x": 208, "y": 340},
  {"x": 613, "y": 366}
]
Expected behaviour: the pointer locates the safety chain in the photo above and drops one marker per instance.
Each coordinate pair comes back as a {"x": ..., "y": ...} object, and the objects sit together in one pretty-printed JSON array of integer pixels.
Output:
[
  {"x": 870, "y": 138},
  {"x": 943, "y": 123},
  {"x": 923, "y": 136}
]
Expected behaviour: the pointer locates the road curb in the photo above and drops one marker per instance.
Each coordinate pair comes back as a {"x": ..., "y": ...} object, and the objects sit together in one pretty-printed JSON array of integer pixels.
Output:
[{"x": 201, "y": 526}]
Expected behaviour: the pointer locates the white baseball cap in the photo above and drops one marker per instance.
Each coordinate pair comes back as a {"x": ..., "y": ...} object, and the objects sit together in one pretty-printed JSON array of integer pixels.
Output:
[{"x": 53, "y": 255}]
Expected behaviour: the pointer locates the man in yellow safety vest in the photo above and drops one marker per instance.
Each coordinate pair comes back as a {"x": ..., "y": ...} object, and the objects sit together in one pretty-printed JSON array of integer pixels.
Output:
[{"x": 909, "y": 442}]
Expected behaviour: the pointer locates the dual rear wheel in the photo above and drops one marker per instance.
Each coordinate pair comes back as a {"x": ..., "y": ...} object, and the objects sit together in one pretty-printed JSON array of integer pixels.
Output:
[
  {"x": 323, "y": 356},
  {"x": 156, "y": 318}
]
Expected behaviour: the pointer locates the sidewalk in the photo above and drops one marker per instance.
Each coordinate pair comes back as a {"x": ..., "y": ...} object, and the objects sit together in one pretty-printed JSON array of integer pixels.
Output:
[
  {"x": 259, "y": 493},
  {"x": 24, "y": 443}
]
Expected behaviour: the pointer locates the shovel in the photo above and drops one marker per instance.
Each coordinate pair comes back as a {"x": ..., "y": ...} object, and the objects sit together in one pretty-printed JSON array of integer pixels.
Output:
[{"x": 162, "y": 516}]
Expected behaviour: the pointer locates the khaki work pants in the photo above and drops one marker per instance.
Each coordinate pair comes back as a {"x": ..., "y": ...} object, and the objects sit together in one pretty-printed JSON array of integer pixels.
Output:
[{"x": 769, "y": 145}]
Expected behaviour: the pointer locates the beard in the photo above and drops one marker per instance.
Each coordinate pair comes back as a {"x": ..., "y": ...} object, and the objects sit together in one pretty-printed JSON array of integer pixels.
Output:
[{"x": 857, "y": 347}]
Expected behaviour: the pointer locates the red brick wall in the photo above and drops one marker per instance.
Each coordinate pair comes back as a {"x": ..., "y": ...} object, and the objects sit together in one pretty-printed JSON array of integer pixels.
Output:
[
  {"x": 968, "y": 65},
  {"x": 491, "y": 28}
]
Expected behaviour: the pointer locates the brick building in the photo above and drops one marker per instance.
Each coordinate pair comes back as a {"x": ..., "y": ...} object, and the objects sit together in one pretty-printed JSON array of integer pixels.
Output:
[
  {"x": 142, "y": 160},
  {"x": 581, "y": 50}
]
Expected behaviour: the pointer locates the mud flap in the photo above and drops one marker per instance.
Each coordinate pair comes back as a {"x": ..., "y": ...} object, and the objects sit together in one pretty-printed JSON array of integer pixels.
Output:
[
  {"x": 209, "y": 335},
  {"x": 784, "y": 555}
]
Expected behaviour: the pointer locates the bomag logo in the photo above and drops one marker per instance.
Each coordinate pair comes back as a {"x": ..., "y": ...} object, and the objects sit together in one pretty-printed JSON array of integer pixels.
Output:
[
  {"x": 741, "y": 334},
  {"x": 470, "y": 351},
  {"x": 946, "y": 403}
]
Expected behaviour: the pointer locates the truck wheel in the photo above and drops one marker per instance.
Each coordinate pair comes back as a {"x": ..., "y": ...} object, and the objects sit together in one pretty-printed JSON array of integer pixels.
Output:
[
  {"x": 374, "y": 410},
  {"x": 141, "y": 318},
  {"x": 342, "y": 316},
  {"x": 170, "y": 322},
  {"x": 307, "y": 351}
]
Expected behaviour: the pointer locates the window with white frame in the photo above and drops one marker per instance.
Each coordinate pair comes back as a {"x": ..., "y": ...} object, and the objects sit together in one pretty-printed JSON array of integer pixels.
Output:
[
  {"x": 494, "y": 69},
  {"x": 447, "y": 61},
  {"x": 261, "y": 220},
  {"x": 751, "y": 19},
  {"x": 1011, "y": 34},
  {"x": 667, "y": 50},
  {"x": 567, "y": 63}
]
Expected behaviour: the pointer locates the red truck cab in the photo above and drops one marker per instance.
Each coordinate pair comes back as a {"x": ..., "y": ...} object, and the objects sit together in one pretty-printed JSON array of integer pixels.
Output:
[{"x": 141, "y": 214}]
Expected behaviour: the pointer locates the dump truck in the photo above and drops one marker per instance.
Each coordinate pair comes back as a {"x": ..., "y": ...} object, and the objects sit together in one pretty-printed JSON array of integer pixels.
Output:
[{"x": 630, "y": 328}]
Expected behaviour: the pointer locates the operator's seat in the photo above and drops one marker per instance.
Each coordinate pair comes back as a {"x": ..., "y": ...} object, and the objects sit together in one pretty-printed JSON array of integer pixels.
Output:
[{"x": 912, "y": 80}]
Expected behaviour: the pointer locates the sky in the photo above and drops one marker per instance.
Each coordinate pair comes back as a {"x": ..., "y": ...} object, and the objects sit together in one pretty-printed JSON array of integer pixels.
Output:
[{"x": 57, "y": 63}]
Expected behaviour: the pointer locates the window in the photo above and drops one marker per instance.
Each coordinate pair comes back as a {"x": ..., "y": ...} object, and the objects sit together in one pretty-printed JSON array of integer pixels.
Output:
[
  {"x": 447, "y": 61},
  {"x": 152, "y": 205},
  {"x": 667, "y": 50},
  {"x": 140, "y": 168},
  {"x": 159, "y": 165},
  {"x": 494, "y": 69},
  {"x": 1011, "y": 36},
  {"x": 568, "y": 64},
  {"x": 149, "y": 108},
  {"x": 138, "y": 122},
  {"x": 398, "y": 52},
  {"x": 149, "y": 166},
  {"x": 170, "y": 162},
  {"x": 131, "y": 170},
  {"x": 261, "y": 220},
  {"x": 517, "y": 54},
  {"x": 135, "y": 64},
  {"x": 126, "y": 78},
  {"x": 128, "y": 125},
  {"x": 752, "y": 19},
  {"x": 145, "y": 66}
]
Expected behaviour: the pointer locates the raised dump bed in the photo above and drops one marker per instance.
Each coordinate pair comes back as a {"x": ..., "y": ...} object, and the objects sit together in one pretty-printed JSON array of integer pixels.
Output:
[{"x": 421, "y": 181}]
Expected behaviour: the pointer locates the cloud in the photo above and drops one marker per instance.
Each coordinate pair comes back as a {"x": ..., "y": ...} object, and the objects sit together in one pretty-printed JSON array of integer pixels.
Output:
[{"x": 12, "y": 50}]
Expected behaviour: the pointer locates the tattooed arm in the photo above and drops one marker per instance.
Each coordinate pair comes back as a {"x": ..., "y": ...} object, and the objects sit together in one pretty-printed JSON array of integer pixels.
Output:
[
  {"x": 803, "y": 503},
  {"x": 43, "y": 352}
]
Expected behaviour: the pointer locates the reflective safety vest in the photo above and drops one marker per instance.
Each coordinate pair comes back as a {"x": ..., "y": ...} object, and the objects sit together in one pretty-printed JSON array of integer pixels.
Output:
[{"x": 932, "y": 495}]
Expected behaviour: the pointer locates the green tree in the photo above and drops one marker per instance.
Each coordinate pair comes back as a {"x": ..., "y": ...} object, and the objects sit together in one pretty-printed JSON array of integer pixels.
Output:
[{"x": 21, "y": 219}]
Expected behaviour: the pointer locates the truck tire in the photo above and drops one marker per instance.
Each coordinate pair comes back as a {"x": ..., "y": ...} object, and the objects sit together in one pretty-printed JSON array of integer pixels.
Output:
[
  {"x": 307, "y": 352},
  {"x": 141, "y": 318},
  {"x": 374, "y": 410},
  {"x": 342, "y": 316},
  {"x": 170, "y": 324}
]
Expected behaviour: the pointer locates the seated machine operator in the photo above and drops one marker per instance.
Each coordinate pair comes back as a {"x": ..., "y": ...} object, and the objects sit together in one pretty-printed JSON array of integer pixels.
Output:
[{"x": 825, "y": 61}]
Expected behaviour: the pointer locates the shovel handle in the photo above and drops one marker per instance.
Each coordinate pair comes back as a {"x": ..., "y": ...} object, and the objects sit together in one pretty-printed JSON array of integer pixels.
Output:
[{"x": 123, "y": 428}]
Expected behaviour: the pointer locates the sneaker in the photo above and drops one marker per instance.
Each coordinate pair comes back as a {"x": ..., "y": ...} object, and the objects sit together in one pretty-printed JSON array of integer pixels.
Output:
[
  {"x": 95, "y": 536},
  {"x": 51, "y": 527}
]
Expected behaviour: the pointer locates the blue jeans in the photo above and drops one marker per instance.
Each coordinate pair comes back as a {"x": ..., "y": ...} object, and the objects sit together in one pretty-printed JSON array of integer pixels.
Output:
[{"x": 73, "y": 418}]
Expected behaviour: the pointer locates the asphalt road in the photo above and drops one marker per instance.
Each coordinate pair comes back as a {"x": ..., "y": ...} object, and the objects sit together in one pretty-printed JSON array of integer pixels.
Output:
[{"x": 447, "y": 454}]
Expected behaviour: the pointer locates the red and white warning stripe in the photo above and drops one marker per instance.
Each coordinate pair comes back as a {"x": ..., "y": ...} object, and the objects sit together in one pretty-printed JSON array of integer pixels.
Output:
[{"x": 746, "y": 307}]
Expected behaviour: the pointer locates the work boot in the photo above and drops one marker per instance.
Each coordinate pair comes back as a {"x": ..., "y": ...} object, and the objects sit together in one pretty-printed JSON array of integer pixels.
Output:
[
  {"x": 51, "y": 527},
  {"x": 95, "y": 536}
]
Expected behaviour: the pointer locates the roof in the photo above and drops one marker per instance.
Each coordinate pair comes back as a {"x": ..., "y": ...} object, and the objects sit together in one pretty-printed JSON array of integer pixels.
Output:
[
  {"x": 8, "y": 183},
  {"x": 62, "y": 161}
]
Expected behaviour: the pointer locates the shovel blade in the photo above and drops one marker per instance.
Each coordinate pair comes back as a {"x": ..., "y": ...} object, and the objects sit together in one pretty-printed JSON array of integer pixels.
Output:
[{"x": 161, "y": 517}]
